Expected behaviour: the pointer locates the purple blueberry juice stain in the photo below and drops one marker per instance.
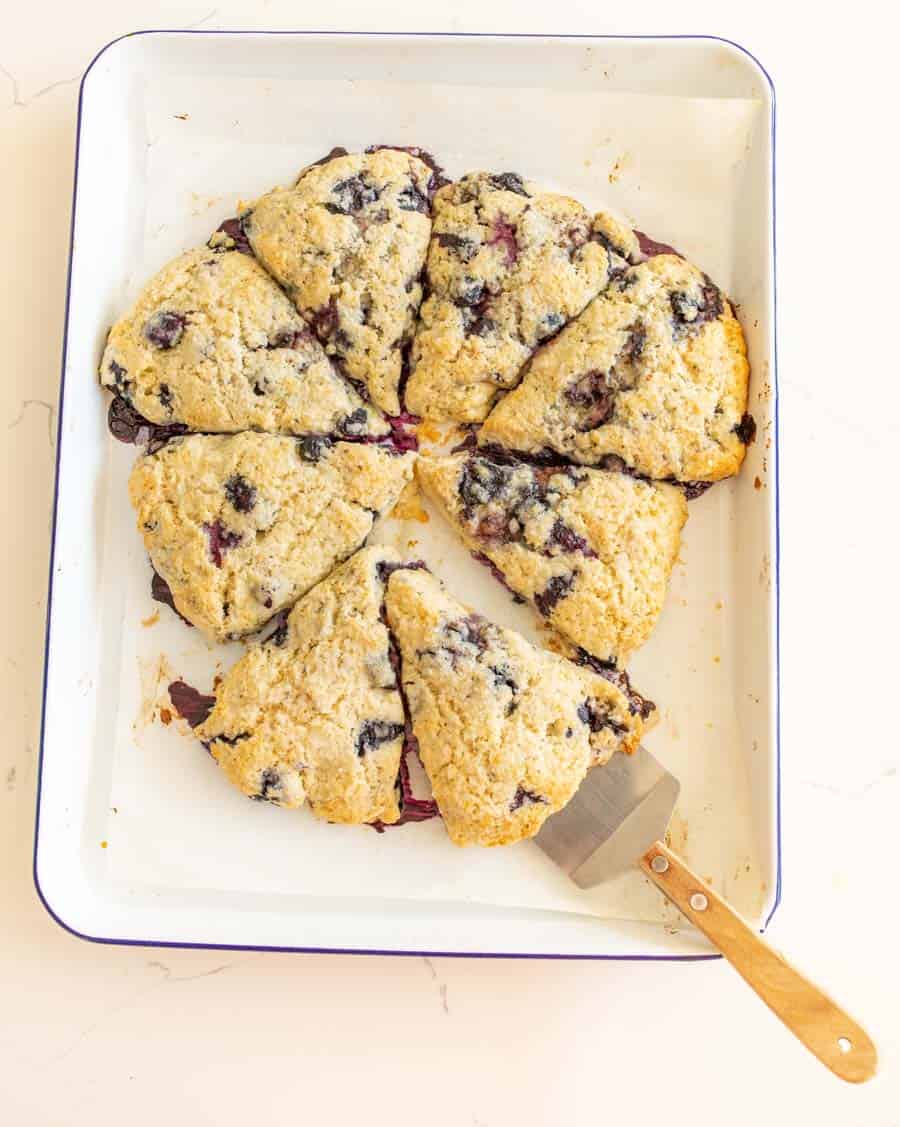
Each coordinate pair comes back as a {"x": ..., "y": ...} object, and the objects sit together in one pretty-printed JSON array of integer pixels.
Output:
[
  {"x": 161, "y": 592},
  {"x": 504, "y": 234},
  {"x": 189, "y": 703},
  {"x": 324, "y": 320},
  {"x": 497, "y": 574},
  {"x": 220, "y": 540},
  {"x": 650, "y": 248}
]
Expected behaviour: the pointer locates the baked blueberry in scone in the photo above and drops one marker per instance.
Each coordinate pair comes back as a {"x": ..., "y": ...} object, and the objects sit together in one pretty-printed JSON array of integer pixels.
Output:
[
  {"x": 508, "y": 266},
  {"x": 506, "y": 731},
  {"x": 240, "y": 526},
  {"x": 348, "y": 243},
  {"x": 591, "y": 549},
  {"x": 652, "y": 376},
  {"x": 316, "y": 715},
  {"x": 213, "y": 344}
]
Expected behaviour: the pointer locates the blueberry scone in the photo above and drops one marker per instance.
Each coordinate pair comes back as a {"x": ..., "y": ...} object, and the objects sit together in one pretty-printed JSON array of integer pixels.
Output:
[
  {"x": 214, "y": 344},
  {"x": 348, "y": 243},
  {"x": 240, "y": 526},
  {"x": 652, "y": 375},
  {"x": 315, "y": 714},
  {"x": 506, "y": 731},
  {"x": 591, "y": 549},
  {"x": 509, "y": 264}
]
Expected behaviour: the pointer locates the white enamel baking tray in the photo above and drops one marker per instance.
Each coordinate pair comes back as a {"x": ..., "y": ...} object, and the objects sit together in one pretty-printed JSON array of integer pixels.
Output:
[{"x": 139, "y": 839}]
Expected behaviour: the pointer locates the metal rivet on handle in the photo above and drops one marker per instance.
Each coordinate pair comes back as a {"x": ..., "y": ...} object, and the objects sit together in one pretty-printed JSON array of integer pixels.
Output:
[
  {"x": 699, "y": 902},
  {"x": 659, "y": 864}
]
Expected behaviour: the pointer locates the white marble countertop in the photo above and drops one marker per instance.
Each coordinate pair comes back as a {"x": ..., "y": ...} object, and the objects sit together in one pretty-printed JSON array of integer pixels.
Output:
[{"x": 103, "y": 1035}]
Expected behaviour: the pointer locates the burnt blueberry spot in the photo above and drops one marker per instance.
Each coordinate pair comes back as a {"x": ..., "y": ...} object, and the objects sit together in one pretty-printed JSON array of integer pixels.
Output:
[
  {"x": 313, "y": 447},
  {"x": 269, "y": 783},
  {"x": 164, "y": 329},
  {"x": 691, "y": 312},
  {"x": 260, "y": 389},
  {"x": 466, "y": 248},
  {"x": 469, "y": 441},
  {"x": 240, "y": 493},
  {"x": 384, "y": 569},
  {"x": 190, "y": 704},
  {"x": 567, "y": 540},
  {"x": 478, "y": 324},
  {"x": 634, "y": 345},
  {"x": 608, "y": 245},
  {"x": 325, "y": 320},
  {"x": 609, "y": 671},
  {"x": 221, "y": 540},
  {"x": 234, "y": 229},
  {"x": 694, "y": 489},
  {"x": 502, "y": 677},
  {"x": 128, "y": 425},
  {"x": 279, "y": 635},
  {"x": 593, "y": 396},
  {"x": 337, "y": 151},
  {"x": 411, "y": 199},
  {"x": 374, "y": 733},
  {"x": 161, "y": 592},
  {"x": 120, "y": 376},
  {"x": 558, "y": 587},
  {"x": 352, "y": 195},
  {"x": 231, "y": 741},
  {"x": 524, "y": 797},
  {"x": 356, "y": 423},
  {"x": 746, "y": 429},
  {"x": 613, "y": 463},
  {"x": 165, "y": 395},
  {"x": 504, "y": 234},
  {"x": 510, "y": 182},
  {"x": 596, "y": 717},
  {"x": 288, "y": 338}
]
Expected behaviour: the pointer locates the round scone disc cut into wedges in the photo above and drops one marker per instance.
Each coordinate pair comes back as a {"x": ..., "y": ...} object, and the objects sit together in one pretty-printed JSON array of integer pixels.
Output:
[
  {"x": 315, "y": 713},
  {"x": 653, "y": 376},
  {"x": 509, "y": 264},
  {"x": 214, "y": 344},
  {"x": 506, "y": 731},
  {"x": 348, "y": 243},
  {"x": 240, "y": 526},
  {"x": 591, "y": 549}
]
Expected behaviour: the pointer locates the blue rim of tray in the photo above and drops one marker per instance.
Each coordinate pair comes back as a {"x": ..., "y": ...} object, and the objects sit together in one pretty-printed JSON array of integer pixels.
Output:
[{"x": 393, "y": 951}]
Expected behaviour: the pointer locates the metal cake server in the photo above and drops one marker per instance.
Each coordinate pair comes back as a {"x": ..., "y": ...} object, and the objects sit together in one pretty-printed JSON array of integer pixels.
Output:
[{"x": 618, "y": 819}]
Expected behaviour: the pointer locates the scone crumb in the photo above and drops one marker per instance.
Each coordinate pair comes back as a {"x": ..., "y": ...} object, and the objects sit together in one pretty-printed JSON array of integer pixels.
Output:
[
  {"x": 151, "y": 620},
  {"x": 165, "y": 716},
  {"x": 409, "y": 505}
]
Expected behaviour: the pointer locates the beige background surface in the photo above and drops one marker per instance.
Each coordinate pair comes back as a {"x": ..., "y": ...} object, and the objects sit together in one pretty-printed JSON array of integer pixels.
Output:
[{"x": 97, "y": 1035}]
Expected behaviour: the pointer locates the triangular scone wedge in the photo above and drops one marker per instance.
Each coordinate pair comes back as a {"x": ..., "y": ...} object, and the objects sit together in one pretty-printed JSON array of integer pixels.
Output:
[
  {"x": 652, "y": 375},
  {"x": 348, "y": 243},
  {"x": 506, "y": 732},
  {"x": 214, "y": 344},
  {"x": 315, "y": 713},
  {"x": 509, "y": 264},
  {"x": 591, "y": 549},
  {"x": 240, "y": 526}
]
